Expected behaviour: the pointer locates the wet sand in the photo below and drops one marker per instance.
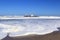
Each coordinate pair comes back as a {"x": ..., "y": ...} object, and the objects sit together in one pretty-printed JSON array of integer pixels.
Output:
[{"x": 52, "y": 36}]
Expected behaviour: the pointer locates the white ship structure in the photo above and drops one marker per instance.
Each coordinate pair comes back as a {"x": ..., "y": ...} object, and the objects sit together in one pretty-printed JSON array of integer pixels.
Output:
[{"x": 29, "y": 17}]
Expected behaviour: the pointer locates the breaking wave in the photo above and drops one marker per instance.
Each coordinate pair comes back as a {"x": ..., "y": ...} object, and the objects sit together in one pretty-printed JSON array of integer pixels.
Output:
[{"x": 21, "y": 27}]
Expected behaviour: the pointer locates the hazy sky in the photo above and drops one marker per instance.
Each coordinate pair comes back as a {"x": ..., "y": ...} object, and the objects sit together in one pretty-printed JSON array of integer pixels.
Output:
[{"x": 37, "y": 7}]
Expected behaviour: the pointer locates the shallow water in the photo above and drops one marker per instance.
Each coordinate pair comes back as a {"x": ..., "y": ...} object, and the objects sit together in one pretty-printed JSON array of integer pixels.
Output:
[{"x": 18, "y": 27}]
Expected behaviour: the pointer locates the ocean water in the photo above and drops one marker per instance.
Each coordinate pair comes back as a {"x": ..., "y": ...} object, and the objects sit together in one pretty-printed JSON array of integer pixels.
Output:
[{"x": 21, "y": 27}]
